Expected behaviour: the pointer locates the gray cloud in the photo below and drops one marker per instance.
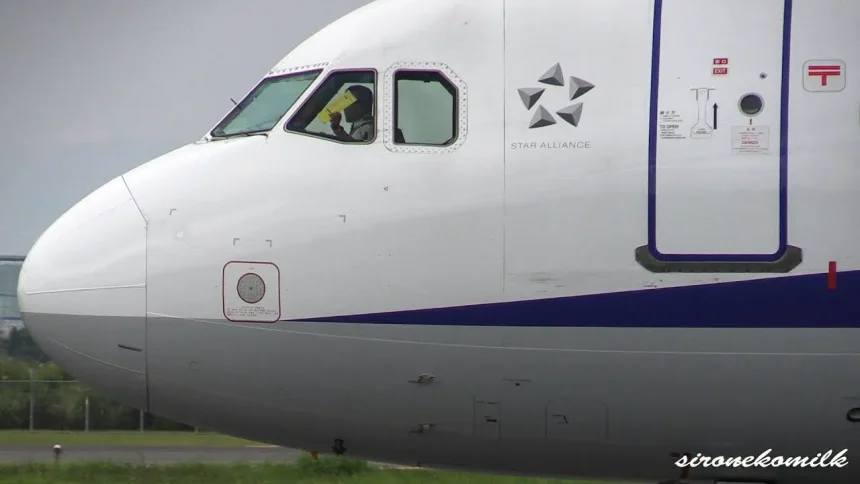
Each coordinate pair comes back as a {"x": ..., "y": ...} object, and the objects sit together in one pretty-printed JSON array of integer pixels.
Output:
[{"x": 92, "y": 88}]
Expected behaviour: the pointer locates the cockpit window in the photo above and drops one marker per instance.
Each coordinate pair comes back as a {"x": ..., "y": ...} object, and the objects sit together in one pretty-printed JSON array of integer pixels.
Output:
[
  {"x": 425, "y": 107},
  {"x": 261, "y": 110},
  {"x": 342, "y": 109}
]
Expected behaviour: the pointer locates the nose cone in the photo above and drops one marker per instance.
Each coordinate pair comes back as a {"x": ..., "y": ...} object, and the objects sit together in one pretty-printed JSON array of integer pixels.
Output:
[{"x": 82, "y": 293}]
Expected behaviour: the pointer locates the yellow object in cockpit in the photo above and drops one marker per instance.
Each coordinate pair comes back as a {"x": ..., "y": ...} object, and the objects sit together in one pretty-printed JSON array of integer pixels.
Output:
[{"x": 337, "y": 105}]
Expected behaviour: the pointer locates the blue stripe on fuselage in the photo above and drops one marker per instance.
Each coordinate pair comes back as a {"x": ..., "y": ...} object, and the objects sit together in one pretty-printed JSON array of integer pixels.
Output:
[{"x": 779, "y": 302}]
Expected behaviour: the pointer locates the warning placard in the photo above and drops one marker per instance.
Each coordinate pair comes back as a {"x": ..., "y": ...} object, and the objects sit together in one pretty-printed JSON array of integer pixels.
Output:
[
  {"x": 251, "y": 292},
  {"x": 670, "y": 125},
  {"x": 750, "y": 140}
]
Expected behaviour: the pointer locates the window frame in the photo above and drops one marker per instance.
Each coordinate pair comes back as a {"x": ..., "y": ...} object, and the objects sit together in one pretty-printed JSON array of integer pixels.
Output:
[
  {"x": 231, "y": 116},
  {"x": 319, "y": 85},
  {"x": 451, "y": 86},
  {"x": 388, "y": 103}
]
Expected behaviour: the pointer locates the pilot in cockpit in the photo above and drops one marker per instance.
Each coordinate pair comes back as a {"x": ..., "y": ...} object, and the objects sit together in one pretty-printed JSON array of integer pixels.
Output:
[{"x": 359, "y": 113}]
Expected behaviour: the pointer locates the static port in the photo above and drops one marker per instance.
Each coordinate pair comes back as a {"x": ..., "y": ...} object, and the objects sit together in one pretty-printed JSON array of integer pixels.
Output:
[{"x": 751, "y": 104}]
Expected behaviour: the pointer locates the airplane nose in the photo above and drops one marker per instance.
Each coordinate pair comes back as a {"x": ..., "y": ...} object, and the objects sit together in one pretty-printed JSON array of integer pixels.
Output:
[{"x": 82, "y": 293}]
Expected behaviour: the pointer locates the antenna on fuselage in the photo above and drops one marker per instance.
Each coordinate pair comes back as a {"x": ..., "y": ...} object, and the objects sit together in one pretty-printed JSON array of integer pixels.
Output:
[{"x": 234, "y": 102}]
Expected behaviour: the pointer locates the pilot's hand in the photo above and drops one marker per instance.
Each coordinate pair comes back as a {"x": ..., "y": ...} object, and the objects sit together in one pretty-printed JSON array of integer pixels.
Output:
[{"x": 335, "y": 119}]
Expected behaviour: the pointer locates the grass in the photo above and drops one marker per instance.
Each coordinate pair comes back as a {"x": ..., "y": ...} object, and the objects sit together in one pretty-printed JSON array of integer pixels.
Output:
[
  {"x": 149, "y": 438},
  {"x": 328, "y": 470}
]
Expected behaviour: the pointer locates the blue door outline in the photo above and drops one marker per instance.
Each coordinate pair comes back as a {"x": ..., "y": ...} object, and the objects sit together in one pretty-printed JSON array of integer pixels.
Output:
[{"x": 787, "y": 257}]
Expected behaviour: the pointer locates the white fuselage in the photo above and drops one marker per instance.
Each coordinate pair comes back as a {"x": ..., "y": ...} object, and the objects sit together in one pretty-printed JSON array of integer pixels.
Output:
[{"x": 592, "y": 287}]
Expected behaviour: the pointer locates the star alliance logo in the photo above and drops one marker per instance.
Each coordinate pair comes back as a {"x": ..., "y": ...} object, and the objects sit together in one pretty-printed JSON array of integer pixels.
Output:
[{"x": 555, "y": 77}]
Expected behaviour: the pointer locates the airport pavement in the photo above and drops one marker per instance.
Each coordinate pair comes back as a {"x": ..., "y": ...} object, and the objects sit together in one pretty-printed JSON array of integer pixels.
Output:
[
  {"x": 148, "y": 454},
  {"x": 18, "y": 454}
]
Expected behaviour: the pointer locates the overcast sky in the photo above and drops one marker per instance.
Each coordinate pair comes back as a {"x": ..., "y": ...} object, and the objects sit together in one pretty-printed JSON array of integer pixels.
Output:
[{"x": 92, "y": 88}]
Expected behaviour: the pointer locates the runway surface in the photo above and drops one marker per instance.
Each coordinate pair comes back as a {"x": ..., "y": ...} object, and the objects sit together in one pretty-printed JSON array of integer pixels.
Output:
[{"x": 148, "y": 454}]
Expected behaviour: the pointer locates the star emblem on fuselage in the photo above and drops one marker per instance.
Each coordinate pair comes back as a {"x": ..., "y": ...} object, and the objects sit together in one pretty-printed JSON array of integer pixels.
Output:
[{"x": 554, "y": 77}]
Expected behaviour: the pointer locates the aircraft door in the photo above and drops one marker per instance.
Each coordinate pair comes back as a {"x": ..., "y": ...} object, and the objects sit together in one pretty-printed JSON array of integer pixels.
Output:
[{"x": 717, "y": 142}]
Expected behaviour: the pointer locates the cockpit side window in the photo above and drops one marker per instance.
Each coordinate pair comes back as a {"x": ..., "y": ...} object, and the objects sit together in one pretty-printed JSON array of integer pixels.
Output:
[
  {"x": 425, "y": 108},
  {"x": 343, "y": 108},
  {"x": 261, "y": 110}
]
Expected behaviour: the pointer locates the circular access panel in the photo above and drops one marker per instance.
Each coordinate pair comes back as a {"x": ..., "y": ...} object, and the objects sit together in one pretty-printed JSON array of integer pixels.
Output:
[
  {"x": 251, "y": 288},
  {"x": 751, "y": 104}
]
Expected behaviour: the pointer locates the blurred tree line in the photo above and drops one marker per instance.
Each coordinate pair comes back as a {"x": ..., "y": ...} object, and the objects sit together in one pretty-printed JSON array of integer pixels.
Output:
[
  {"x": 20, "y": 345},
  {"x": 59, "y": 403}
]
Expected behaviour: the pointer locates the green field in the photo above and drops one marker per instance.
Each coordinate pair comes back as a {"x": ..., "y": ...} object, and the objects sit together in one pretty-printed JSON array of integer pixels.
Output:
[
  {"x": 326, "y": 471},
  {"x": 117, "y": 438}
]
